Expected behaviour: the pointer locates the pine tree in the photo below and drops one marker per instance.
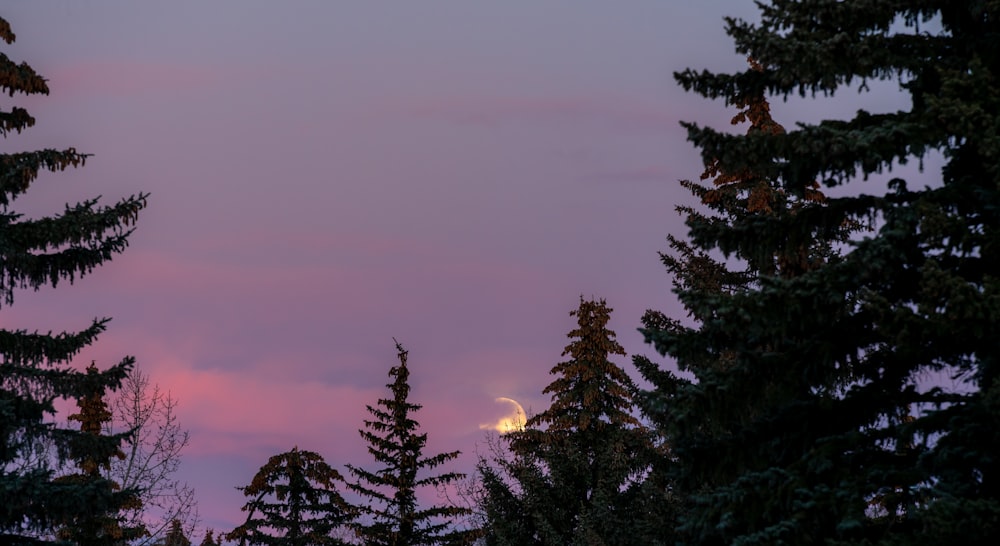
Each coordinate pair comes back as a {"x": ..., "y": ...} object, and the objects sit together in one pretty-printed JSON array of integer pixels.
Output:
[
  {"x": 293, "y": 502},
  {"x": 175, "y": 536},
  {"x": 706, "y": 284},
  {"x": 209, "y": 539},
  {"x": 396, "y": 518},
  {"x": 35, "y": 368},
  {"x": 574, "y": 474},
  {"x": 814, "y": 417},
  {"x": 92, "y": 459}
]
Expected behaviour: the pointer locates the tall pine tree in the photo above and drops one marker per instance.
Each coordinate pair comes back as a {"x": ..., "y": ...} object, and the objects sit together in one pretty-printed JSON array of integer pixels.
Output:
[
  {"x": 574, "y": 474},
  {"x": 293, "y": 502},
  {"x": 705, "y": 284},
  {"x": 395, "y": 516},
  {"x": 817, "y": 414},
  {"x": 35, "y": 368}
]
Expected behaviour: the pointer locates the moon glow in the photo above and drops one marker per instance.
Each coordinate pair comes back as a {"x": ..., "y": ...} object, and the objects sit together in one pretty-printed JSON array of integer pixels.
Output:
[{"x": 512, "y": 420}]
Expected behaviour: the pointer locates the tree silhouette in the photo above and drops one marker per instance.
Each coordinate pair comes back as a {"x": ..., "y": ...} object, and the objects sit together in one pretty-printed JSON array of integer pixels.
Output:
[
  {"x": 35, "y": 368},
  {"x": 681, "y": 408},
  {"x": 811, "y": 419},
  {"x": 574, "y": 473},
  {"x": 152, "y": 457},
  {"x": 175, "y": 536},
  {"x": 209, "y": 539},
  {"x": 293, "y": 502},
  {"x": 91, "y": 458},
  {"x": 396, "y": 518}
]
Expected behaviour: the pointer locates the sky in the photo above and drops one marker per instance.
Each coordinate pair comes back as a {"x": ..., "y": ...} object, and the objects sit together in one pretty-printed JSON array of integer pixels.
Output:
[{"x": 327, "y": 176}]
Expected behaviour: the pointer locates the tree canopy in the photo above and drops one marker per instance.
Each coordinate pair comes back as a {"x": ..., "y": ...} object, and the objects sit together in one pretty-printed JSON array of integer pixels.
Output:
[
  {"x": 105, "y": 526},
  {"x": 574, "y": 472},
  {"x": 814, "y": 415},
  {"x": 293, "y": 501},
  {"x": 35, "y": 368}
]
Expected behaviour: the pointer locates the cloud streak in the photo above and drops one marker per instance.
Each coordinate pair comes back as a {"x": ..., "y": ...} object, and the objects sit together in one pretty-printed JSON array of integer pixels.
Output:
[{"x": 123, "y": 78}]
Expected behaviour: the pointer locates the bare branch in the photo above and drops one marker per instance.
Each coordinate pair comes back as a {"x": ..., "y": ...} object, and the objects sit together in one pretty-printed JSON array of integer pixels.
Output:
[{"x": 152, "y": 457}]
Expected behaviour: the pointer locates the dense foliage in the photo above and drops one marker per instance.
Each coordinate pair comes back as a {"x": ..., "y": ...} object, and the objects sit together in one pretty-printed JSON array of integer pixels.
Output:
[
  {"x": 293, "y": 501},
  {"x": 816, "y": 413},
  {"x": 35, "y": 368},
  {"x": 573, "y": 473},
  {"x": 732, "y": 198},
  {"x": 105, "y": 526}
]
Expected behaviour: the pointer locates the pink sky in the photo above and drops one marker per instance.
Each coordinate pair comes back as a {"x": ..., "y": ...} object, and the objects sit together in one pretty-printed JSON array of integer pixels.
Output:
[{"x": 326, "y": 176}]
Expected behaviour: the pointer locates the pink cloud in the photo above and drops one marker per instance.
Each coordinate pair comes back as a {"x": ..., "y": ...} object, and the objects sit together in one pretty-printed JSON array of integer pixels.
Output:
[
  {"x": 236, "y": 412},
  {"x": 124, "y": 77},
  {"x": 356, "y": 279},
  {"x": 264, "y": 408},
  {"x": 241, "y": 341}
]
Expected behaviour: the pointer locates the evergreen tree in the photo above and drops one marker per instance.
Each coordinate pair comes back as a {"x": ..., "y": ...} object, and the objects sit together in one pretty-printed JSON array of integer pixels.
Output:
[
  {"x": 209, "y": 539},
  {"x": 175, "y": 536},
  {"x": 574, "y": 473},
  {"x": 35, "y": 368},
  {"x": 704, "y": 283},
  {"x": 813, "y": 417},
  {"x": 90, "y": 456},
  {"x": 393, "y": 440},
  {"x": 293, "y": 502}
]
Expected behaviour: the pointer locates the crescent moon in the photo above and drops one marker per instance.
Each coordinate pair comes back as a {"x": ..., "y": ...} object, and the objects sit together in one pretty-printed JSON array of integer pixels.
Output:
[{"x": 513, "y": 420}]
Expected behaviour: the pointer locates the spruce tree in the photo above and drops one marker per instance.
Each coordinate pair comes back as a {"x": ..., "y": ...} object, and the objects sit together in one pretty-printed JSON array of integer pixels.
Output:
[
  {"x": 175, "y": 536},
  {"x": 704, "y": 283},
  {"x": 814, "y": 416},
  {"x": 35, "y": 368},
  {"x": 89, "y": 454},
  {"x": 293, "y": 502},
  {"x": 574, "y": 474},
  {"x": 395, "y": 517},
  {"x": 209, "y": 539}
]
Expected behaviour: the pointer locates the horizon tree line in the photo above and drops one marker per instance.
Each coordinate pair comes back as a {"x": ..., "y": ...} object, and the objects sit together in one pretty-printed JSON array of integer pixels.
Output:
[{"x": 813, "y": 318}]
